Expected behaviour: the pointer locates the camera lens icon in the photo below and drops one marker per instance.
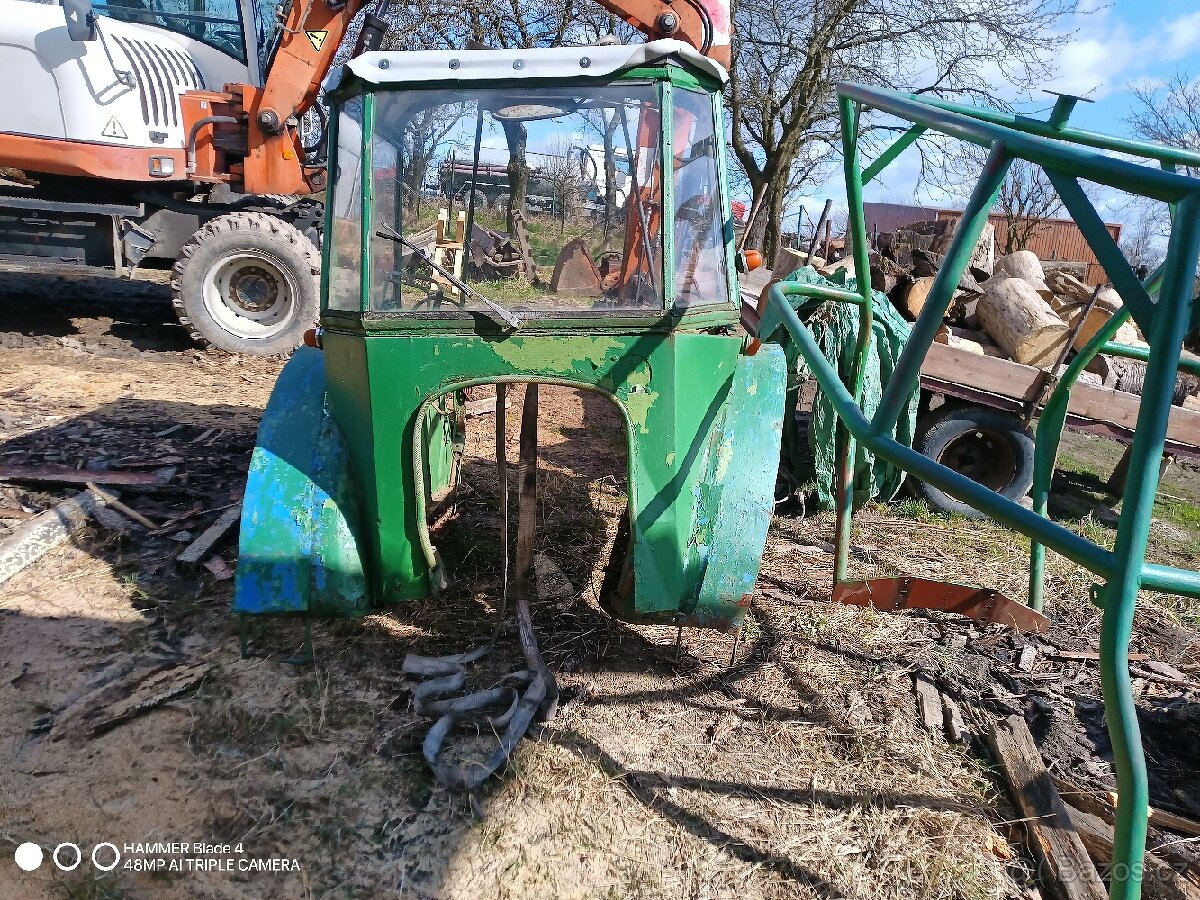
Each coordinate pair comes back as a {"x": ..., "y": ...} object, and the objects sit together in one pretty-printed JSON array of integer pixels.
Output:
[{"x": 63, "y": 859}]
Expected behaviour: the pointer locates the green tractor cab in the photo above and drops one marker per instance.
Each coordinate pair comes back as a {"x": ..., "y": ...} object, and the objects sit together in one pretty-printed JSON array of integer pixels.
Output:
[{"x": 424, "y": 296}]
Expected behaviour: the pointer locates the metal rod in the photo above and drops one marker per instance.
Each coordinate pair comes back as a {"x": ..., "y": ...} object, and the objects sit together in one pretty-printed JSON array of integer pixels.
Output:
[
  {"x": 1050, "y": 154},
  {"x": 907, "y": 372},
  {"x": 779, "y": 313},
  {"x": 1142, "y": 354},
  {"x": 502, "y": 480},
  {"x": 1049, "y": 434},
  {"x": 470, "y": 223},
  {"x": 856, "y": 231},
  {"x": 1133, "y": 531},
  {"x": 526, "y": 532},
  {"x": 888, "y": 156},
  {"x": 636, "y": 191}
]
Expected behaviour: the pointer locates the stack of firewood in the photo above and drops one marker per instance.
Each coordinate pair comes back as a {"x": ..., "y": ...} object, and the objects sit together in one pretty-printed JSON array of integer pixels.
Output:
[{"x": 1015, "y": 307}]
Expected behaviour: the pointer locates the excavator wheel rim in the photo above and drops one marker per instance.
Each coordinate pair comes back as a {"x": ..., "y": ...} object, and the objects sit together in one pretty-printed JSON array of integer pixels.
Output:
[{"x": 250, "y": 294}]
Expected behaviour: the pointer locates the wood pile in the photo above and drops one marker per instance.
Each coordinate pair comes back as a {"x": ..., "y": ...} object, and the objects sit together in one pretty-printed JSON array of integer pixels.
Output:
[{"x": 1012, "y": 307}]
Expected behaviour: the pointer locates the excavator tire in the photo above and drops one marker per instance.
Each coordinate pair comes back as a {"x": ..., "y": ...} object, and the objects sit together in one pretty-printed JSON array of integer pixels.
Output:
[{"x": 247, "y": 283}]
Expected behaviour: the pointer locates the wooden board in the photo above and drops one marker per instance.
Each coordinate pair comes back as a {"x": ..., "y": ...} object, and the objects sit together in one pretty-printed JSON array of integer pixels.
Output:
[{"x": 1065, "y": 868}]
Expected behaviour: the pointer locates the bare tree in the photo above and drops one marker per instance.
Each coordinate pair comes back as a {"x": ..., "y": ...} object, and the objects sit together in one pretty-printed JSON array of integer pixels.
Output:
[
  {"x": 1028, "y": 202},
  {"x": 789, "y": 55},
  {"x": 1169, "y": 114}
]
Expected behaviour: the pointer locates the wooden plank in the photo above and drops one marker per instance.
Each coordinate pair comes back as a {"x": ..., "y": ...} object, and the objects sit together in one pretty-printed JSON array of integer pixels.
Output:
[
  {"x": 1017, "y": 382},
  {"x": 987, "y": 373},
  {"x": 198, "y": 549},
  {"x": 55, "y": 474},
  {"x": 929, "y": 703},
  {"x": 1159, "y": 880},
  {"x": 33, "y": 539},
  {"x": 1066, "y": 869}
]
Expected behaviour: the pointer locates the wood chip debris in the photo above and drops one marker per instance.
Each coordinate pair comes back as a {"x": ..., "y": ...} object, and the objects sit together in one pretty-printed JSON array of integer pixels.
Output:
[
  {"x": 58, "y": 474},
  {"x": 121, "y": 696}
]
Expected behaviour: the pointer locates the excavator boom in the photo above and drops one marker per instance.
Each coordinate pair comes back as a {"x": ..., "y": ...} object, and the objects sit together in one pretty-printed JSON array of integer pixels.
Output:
[{"x": 312, "y": 31}]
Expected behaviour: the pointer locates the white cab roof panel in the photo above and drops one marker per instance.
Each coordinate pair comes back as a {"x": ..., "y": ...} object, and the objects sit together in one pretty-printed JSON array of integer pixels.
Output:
[{"x": 556, "y": 63}]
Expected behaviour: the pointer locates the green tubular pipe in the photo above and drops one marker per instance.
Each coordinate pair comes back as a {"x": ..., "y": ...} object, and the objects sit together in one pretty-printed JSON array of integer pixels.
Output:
[
  {"x": 1050, "y": 154},
  {"x": 779, "y": 313},
  {"x": 958, "y": 256},
  {"x": 1162, "y": 153},
  {"x": 1123, "y": 570},
  {"x": 1142, "y": 354},
  {"x": 1050, "y": 427},
  {"x": 1133, "y": 530},
  {"x": 1171, "y": 580},
  {"x": 888, "y": 156},
  {"x": 1045, "y": 447},
  {"x": 846, "y": 449}
]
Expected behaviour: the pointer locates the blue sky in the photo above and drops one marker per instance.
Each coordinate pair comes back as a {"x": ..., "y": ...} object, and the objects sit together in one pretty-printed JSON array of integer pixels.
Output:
[{"x": 1112, "y": 46}]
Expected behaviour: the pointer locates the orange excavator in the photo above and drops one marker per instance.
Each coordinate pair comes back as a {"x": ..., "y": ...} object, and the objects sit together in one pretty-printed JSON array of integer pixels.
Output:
[{"x": 154, "y": 133}]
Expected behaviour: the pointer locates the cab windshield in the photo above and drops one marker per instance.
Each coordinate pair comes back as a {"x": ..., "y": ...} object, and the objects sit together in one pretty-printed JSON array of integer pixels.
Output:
[
  {"x": 519, "y": 195},
  {"x": 537, "y": 199},
  {"x": 217, "y": 23}
]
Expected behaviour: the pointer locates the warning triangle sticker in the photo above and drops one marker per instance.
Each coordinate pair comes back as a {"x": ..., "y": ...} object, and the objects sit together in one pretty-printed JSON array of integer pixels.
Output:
[
  {"x": 317, "y": 38},
  {"x": 114, "y": 130}
]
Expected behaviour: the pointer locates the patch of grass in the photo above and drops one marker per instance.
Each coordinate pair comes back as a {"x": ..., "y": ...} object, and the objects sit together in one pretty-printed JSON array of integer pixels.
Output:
[{"x": 91, "y": 887}]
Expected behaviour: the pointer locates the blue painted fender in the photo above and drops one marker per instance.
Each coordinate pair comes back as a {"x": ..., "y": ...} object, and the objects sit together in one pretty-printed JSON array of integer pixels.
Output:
[{"x": 301, "y": 528}]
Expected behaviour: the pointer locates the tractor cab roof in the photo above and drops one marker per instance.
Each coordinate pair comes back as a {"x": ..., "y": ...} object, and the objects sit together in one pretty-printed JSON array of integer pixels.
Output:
[{"x": 550, "y": 63}]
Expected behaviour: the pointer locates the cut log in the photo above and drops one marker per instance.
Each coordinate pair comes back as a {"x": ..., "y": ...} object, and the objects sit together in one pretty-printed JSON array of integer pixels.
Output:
[
  {"x": 1021, "y": 322},
  {"x": 1097, "y": 319},
  {"x": 918, "y": 291},
  {"x": 963, "y": 339},
  {"x": 787, "y": 261},
  {"x": 1067, "y": 285},
  {"x": 1025, "y": 265},
  {"x": 1068, "y": 873}
]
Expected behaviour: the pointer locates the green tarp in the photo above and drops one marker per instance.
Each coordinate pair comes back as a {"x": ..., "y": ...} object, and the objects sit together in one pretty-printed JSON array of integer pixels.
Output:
[{"x": 812, "y": 458}]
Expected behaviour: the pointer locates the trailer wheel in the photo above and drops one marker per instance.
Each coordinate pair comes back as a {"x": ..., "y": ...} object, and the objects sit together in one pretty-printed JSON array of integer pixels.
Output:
[
  {"x": 989, "y": 447},
  {"x": 246, "y": 283}
]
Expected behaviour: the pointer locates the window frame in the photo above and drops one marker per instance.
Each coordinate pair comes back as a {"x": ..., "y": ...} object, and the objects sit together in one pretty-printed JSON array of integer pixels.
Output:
[{"x": 663, "y": 79}]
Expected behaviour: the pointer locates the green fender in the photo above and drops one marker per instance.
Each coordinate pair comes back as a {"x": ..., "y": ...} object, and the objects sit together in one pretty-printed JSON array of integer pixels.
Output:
[
  {"x": 736, "y": 499},
  {"x": 301, "y": 522}
]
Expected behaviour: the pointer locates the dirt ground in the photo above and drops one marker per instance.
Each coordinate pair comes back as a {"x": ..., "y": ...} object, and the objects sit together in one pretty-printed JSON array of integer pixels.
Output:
[{"x": 800, "y": 768}]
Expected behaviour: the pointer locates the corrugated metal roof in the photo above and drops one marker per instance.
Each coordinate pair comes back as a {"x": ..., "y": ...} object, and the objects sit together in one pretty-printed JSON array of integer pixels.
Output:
[{"x": 1060, "y": 239}]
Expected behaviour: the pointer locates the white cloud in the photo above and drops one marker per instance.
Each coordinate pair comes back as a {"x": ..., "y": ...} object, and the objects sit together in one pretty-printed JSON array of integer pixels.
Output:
[{"x": 1107, "y": 52}]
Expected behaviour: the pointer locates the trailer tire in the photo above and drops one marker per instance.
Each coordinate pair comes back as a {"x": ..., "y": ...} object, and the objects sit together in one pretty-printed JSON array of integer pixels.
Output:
[
  {"x": 988, "y": 446},
  {"x": 246, "y": 283}
]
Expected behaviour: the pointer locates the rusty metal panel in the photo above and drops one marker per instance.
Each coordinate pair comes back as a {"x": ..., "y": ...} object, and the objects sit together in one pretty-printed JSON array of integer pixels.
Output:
[{"x": 906, "y": 592}]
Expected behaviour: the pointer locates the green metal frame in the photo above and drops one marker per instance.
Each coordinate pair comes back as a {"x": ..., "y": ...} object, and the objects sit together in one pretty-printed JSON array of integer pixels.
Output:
[{"x": 1165, "y": 320}]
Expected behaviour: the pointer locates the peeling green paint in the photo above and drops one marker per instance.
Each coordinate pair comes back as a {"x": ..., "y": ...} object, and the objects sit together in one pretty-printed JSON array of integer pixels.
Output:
[
  {"x": 556, "y": 354},
  {"x": 638, "y": 401}
]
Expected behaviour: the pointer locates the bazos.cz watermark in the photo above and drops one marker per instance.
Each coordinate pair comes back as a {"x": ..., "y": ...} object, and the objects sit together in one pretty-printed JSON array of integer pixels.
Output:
[{"x": 159, "y": 856}]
